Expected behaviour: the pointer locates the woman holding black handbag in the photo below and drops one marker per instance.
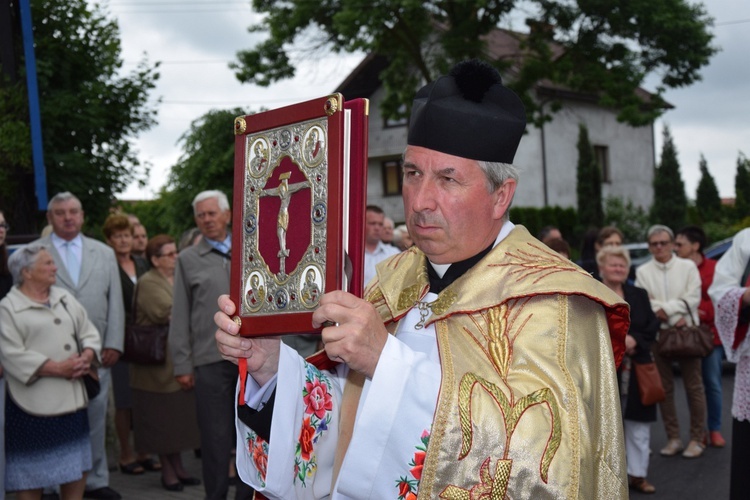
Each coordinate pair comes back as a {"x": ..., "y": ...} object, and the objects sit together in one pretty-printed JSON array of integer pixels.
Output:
[
  {"x": 165, "y": 420},
  {"x": 639, "y": 408},
  {"x": 47, "y": 347}
]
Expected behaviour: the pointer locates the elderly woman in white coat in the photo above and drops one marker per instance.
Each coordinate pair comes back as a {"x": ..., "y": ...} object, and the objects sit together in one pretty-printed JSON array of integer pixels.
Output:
[{"x": 47, "y": 344}]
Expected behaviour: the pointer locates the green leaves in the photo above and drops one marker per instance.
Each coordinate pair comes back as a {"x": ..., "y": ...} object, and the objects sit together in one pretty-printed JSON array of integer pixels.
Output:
[
  {"x": 603, "y": 48},
  {"x": 90, "y": 112}
]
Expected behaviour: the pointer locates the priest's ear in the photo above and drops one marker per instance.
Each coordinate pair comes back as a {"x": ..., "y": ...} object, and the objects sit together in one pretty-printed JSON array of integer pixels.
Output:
[{"x": 503, "y": 198}]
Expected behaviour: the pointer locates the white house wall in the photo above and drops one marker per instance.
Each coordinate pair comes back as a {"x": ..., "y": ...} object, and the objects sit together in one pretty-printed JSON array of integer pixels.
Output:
[{"x": 631, "y": 158}]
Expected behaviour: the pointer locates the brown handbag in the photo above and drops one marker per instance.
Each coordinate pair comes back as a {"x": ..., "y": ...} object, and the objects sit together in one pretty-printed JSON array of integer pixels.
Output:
[
  {"x": 689, "y": 341},
  {"x": 649, "y": 383}
]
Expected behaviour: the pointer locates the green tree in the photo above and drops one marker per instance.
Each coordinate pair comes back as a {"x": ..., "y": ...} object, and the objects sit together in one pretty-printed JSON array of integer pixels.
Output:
[
  {"x": 90, "y": 112},
  {"x": 603, "y": 48},
  {"x": 742, "y": 188},
  {"x": 632, "y": 220},
  {"x": 670, "y": 201},
  {"x": 588, "y": 183},
  {"x": 207, "y": 162},
  {"x": 707, "y": 199}
]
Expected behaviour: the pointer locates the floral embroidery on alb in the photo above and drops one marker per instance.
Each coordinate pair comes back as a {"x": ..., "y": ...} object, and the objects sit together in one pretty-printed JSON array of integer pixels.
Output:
[
  {"x": 258, "y": 449},
  {"x": 316, "y": 396},
  {"x": 408, "y": 485}
]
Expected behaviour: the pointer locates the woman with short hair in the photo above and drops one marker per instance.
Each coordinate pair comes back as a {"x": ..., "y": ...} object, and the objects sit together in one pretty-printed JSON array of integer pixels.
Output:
[
  {"x": 614, "y": 265},
  {"x": 164, "y": 415},
  {"x": 118, "y": 233},
  {"x": 47, "y": 344}
]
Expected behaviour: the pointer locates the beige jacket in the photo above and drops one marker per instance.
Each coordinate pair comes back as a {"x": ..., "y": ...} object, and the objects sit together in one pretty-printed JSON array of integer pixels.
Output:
[{"x": 31, "y": 334}]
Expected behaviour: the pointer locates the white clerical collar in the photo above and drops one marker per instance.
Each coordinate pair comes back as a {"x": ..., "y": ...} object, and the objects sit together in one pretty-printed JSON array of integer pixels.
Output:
[{"x": 508, "y": 226}]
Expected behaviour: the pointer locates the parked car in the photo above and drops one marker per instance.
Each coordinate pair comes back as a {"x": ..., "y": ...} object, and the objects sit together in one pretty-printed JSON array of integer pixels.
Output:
[
  {"x": 638, "y": 253},
  {"x": 716, "y": 250}
]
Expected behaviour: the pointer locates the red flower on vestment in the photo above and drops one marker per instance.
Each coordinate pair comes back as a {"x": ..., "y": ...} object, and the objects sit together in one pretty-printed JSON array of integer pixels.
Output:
[
  {"x": 317, "y": 399},
  {"x": 416, "y": 471},
  {"x": 260, "y": 459},
  {"x": 404, "y": 488},
  {"x": 306, "y": 439},
  {"x": 410, "y": 496}
]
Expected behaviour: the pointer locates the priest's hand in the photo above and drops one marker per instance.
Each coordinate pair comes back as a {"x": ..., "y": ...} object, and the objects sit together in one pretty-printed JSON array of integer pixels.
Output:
[
  {"x": 262, "y": 353},
  {"x": 357, "y": 335}
]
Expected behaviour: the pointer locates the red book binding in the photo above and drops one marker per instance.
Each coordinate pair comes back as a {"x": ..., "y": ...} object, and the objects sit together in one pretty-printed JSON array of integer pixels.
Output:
[{"x": 298, "y": 211}]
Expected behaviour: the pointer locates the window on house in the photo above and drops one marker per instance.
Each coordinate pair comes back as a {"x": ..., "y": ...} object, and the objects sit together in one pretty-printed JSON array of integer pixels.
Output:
[
  {"x": 397, "y": 122},
  {"x": 392, "y": 178},
  {"x": 601, "y": 155}
]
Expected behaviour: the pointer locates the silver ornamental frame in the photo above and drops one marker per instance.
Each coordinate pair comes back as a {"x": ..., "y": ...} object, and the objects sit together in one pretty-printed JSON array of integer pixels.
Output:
[{"x": 265, "y": 293}]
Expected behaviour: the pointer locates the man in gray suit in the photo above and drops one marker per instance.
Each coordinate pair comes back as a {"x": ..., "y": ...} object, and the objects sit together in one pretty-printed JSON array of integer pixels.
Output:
[
  {"x": 202, "y": 274},
  {"x": 88, "y": 269}
]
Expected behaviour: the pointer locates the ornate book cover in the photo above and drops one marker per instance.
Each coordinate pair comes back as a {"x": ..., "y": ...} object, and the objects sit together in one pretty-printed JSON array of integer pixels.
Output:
[{"x": 298, "y": 211}]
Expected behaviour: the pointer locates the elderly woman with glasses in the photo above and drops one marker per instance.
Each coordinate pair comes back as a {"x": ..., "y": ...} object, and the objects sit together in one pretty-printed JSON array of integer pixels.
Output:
[
  {"x": 165, "y": 420},
  {"x": 47, "y": 344}
]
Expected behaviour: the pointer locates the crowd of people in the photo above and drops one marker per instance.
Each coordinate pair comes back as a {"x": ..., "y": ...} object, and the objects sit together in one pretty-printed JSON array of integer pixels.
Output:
[
  {"x": 669, "y": 290},
  {"x": 481, "y": 361},
  {"x": 65, "y": 321}
]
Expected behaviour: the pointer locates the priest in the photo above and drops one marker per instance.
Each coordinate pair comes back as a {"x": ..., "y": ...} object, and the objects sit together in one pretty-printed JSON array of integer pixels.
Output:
[{"x": 480, "y": 363}]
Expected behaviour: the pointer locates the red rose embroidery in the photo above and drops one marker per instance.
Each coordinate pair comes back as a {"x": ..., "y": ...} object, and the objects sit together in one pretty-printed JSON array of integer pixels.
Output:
[
  {"x": 416, "y": 471},
  {"x": 410, "y": 496},
  {"x": 318, "y": 400},
  {"x": 403, "y": 489},
  {"x": 260, "y": 459},
  {"x": 305, "y": 439}
]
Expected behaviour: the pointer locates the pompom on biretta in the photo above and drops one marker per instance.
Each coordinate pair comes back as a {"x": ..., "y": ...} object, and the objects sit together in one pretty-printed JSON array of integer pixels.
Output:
[
  {"x": 468, "y": 113},
  {"x": 474, "y": 78}
]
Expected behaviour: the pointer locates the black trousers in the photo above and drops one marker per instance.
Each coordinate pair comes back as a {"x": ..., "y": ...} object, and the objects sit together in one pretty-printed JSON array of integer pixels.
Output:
[
  {"x": 214, "y": 396},
  {"x": 739, "y": 483}
]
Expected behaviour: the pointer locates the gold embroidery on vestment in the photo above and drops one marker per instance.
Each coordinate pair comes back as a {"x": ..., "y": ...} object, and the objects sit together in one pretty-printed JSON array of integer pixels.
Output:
[
  {"x": 512, "y": 414},
  {"x": 445, "y": 299},
  {"x": 570, "y": 388},
  {"x": 543, "y": 263},
  {"x": 489, "y": 487},
  {"x": 499, "y": 344},
  {"x": 408, "y": 297}
]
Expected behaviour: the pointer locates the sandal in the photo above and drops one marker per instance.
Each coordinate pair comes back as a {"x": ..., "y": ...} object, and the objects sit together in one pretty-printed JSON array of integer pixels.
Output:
[
  {"x": 133, "y": 468},
  {"x": 150, "y": 465}
]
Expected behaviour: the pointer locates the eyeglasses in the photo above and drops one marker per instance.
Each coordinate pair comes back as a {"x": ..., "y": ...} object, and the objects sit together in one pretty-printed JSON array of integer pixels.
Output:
[
  {"x": 662, "y": 243},
  {"x": 5, "y": 226},
  {"x": 170, "y": 254}
]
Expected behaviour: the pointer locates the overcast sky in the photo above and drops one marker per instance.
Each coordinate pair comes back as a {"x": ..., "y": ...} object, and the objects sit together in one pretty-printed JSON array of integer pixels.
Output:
[{"x": 196, "y": 39}]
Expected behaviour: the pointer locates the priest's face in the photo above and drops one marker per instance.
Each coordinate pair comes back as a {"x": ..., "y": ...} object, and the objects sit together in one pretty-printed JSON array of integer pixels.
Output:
[{"x": 450, "y": 213}]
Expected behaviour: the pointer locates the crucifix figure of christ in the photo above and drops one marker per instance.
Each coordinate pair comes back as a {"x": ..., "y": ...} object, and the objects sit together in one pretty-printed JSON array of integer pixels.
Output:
[{"x": 284, "y": 191}]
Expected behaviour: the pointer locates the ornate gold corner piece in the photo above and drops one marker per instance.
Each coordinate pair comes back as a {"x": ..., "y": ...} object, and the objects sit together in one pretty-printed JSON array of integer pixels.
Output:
[
  {"x": 239, "y": 125},
  {"x": 237, "y": 320},
  {"x": 367, "y": 107},
  {"x": 333, "y": 103}
]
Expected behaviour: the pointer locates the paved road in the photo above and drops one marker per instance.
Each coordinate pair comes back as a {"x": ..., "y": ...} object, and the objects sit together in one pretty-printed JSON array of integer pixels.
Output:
[{"x": 702, "y": 478}]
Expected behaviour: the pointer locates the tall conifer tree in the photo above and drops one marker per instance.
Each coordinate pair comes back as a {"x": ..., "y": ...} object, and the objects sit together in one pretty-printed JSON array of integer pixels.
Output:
[
  {"x": 707, "y": 199},
  {"x": 670, "y": 201},
  {"x": 742, "y": 187},
  {"x": 589, "y": 183}
]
